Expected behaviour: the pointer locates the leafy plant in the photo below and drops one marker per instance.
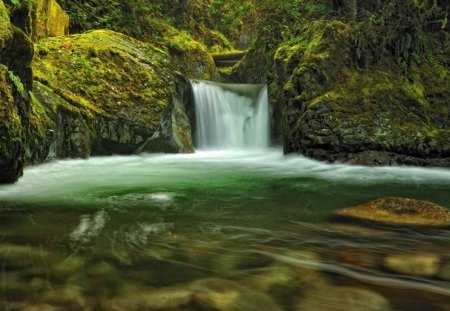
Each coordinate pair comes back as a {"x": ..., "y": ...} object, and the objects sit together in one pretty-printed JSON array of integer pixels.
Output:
[{"x": 18, "y": 84}]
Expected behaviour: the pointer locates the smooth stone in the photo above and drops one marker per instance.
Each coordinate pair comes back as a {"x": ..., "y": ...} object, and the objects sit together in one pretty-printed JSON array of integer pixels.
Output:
[
  {"x": 225, "y": 295},
  {"x": 397, "y": 212},
  {"x": 335, "y": 298},
  {"x": 161, "y": 299},
  {"x": 425, "y": 265}
]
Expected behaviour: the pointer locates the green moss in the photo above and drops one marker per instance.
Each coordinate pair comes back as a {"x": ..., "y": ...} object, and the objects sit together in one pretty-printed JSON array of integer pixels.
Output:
[
  {"x": 123, "y": 75},
  {"x": 39, "y": 116},
  {"x": 5, "y": 26},
  {"x": 11, "y": 130},
  {"x": 191, "y": 55}
]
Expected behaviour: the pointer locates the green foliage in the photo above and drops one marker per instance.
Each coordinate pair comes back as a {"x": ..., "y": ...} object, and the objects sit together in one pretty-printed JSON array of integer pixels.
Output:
[
  {"x": 228, "y": 16},
  {"x": 132, "y": 17},
  {"x": 18, "y": 84},
  {"x": 16, "y": 2},
  {"x": 396, "y": 29},
  {"x": 283, "y": 20}
]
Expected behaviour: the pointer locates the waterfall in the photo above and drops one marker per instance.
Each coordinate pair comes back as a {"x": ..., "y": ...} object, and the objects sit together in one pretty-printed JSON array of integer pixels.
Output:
[{"x": 231, "y": 116}]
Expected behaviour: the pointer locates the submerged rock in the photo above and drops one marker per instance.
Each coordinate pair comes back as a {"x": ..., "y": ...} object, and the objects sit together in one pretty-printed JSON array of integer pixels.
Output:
[
  {"x": 396, "y": 211},
  {"x": 332, "y": 298},
  {"x": 103, "y": 93},
  {"x": 426, "y": 265},
  {"x": 226, "y": 295},
  {"x": 161, "y": 299},
  {"x": 66, "y": 298}
]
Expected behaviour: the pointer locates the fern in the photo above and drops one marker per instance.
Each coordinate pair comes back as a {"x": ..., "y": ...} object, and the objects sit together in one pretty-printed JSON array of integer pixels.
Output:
[{"x": 18, "y": 84}]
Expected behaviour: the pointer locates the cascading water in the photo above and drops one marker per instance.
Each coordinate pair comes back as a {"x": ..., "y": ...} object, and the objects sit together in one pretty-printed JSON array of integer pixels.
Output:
[{"x": 231, "y": 116}]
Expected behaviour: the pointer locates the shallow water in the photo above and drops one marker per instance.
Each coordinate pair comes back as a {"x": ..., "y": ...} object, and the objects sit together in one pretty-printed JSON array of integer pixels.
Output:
[{"x": 103, "y": 229}]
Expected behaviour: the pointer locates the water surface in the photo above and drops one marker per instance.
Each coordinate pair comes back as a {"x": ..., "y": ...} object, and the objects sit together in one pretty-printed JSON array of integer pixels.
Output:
[{"x": 158, "y": 221}]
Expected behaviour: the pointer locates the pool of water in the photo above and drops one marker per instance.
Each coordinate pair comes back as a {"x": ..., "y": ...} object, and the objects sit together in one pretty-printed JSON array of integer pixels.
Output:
[{"x": 216, "y": 230}]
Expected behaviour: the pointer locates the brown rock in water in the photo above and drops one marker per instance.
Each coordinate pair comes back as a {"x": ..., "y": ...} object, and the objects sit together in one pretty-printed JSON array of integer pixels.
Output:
[
  {"x": 158, "y": 299},
  {"x": 397, "y": 212},
  {"x": 225, "y": 295},
  {"x": 426, "y": 265},
  {"x": 332, "y": 298}
]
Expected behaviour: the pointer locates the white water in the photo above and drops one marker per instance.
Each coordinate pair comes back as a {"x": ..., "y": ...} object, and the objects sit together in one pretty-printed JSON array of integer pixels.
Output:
[{"x": 231, "y": 116}]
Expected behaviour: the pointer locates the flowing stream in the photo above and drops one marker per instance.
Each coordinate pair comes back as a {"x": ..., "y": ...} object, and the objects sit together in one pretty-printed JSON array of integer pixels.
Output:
[{"x": 122, "y": 233}]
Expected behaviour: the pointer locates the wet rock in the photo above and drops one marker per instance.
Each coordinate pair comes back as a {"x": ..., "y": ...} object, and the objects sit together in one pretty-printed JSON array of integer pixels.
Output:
[
  {"x": 332, "y": 298},
  {"x": 225, "y": 295},
  {"x": 425, "y": 265},
  {"x": 396, "y": 212},
  {"x": 162, "y": 299}
]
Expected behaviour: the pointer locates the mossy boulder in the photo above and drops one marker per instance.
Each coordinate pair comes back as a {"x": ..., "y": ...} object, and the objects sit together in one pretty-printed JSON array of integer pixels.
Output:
[
  {"x": 102, "y": 92},
  {"x": 16, "y": 52},
  {"x": 191, "y": 56},
  {"x": 336, "y": 111}
]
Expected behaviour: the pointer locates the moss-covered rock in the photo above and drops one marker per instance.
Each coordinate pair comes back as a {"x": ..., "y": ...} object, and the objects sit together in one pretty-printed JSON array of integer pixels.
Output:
[
  {"x": 102, "y": 93},
  {"x": 336, "y": 112},
  {"x": 191, "y": 56},
  {"x": 346, "y": 90},
  {"x": 16, "y": 52}
]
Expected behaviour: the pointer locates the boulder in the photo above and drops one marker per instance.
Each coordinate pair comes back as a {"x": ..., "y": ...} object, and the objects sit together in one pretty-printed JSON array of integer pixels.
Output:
[
  {"x": 102, "y": 93},
  {"x": 396, "y": 212},
  {"x": 332, "y": 111}
]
